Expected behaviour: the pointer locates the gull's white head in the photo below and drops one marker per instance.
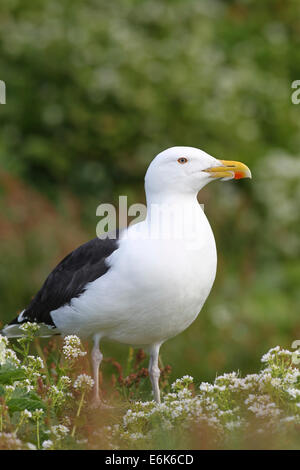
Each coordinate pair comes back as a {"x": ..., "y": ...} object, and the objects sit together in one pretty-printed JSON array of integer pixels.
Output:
[{"x": 186, "y": 170}]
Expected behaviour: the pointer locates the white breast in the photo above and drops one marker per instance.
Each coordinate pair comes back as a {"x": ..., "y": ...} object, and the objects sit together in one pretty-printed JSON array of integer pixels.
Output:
[{"x": 154, "y": 289}]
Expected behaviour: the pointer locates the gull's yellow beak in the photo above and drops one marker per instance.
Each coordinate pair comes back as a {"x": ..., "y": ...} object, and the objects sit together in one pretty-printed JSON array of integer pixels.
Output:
[{"x": 229, "y": 169}]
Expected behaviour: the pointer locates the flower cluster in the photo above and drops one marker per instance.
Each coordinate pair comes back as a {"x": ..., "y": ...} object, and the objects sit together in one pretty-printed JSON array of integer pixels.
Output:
[
  {"x": 9, "y": 441},
  {"x": 3, "y": 346},
  {"x": 33, "y": 403},
  {"x": 271, "y": 399},
  {"x": 6, "y": 354},
  {"x": 30, "y": 328},
  {"x": 72, "y": 348},
  {"x": 83, "y": 382},
  {"x": 30, "y": 393}
]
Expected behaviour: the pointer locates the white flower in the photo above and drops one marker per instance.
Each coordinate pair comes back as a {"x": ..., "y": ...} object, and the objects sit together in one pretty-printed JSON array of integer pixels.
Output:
[
  {"x": 60, "y": 431},
  {"x": 270, "y": 354},
  {"x": 206, "y": 387},
  {"x": 35, "y": 362},
  {"x": 276, "y": 382},
  {"x": 65, "y": 381},
  {"x": 83, "y": 382},
  {"x": 47, "y": 444},
  {"x": 185, "y": 393},
  {"x": 228, "y": 376},
  {"x": 231, "y": 425},
  {"x": 30, "y": 328},
  {"x": 54, "y": 391},
  {"x": 3, "y": 346},
  {"x": 288, "y": 419},
  {"x": 223, "y": 405},
  {"x": 219, "y": 388},
  {"x": 12, "y": 357},
  {"x": 30, "y": 446},
  {"x": 262, "y": 406},
  {"x": 187, "y": 378},
  {"x": 10, "y": 441},
  {"x": 293, "y": 392},
  {"x": 27, "y": 414},
  {"x": 292, "y": 376},
  {"x": 37, "y": 414},
  {"x": 183, "y": 382},
  {"x": 136, "y": 436},
  {"x": 72, "y": 348}
]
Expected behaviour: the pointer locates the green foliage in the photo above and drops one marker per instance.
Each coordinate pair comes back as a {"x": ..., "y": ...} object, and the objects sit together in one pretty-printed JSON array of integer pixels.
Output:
[
  {"x": 256, "y": 411},
  {"x": 49, "y": 408},
  {"x": 9, "y": 374},
  {"x": 23, "y": 400},
  {"x": 96, "y": 89},
  {"x": 33, "y": 395}
]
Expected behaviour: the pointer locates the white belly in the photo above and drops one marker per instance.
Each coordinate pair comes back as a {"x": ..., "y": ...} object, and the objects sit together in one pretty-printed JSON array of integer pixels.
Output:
[{"x": 154, "y": 290}]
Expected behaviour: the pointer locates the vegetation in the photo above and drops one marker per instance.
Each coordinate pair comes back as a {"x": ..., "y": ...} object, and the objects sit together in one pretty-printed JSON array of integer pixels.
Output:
[
  {"x": 94, "y": 90},
  {"x": 44, "y": 404}
]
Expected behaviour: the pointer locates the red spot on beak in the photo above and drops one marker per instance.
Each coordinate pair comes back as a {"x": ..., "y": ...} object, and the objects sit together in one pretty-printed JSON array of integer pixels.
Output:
[{"x": 238, "y": 175}]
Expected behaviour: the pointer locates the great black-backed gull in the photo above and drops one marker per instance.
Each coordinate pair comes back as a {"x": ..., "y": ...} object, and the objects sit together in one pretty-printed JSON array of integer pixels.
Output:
[{"x": 151, "y": 282}]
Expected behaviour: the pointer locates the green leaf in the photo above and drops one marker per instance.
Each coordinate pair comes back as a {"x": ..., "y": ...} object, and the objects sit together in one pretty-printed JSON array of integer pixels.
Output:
[
  {"x": 30, "y": 402},
  {"x": 9, "y": 374}
]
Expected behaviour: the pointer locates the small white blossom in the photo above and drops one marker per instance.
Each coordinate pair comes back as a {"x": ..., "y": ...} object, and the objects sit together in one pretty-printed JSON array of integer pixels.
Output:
[
  {"x": 35, "y": 362},
  {"x": 83, "y": 382},
  {"x": 3, "y": 346},
  {"x": 10, "y": 441},
  {"x": 30, "y": 328},
  {"x": 37, "y": 414},
  {"x": 206, "y": 387},
  {"x": 136, "y": 436},
  {"x": 27, "y": 414},
  {"x": 65, "y": 381},
  {"x": 47, "y": 445},
  {"x": 293, "y": 392},
  {"x": 59, "y": 431},
  {"x": 72, "y": 348},
  {"x": 30, "y": 446},
  {"x": 270, "y": 354}
]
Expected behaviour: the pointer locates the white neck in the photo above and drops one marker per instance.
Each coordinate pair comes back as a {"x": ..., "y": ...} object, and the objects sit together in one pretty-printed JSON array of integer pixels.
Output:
[
  {"x": 178, "y": 216},
  {"x": 170, "y": 197}
]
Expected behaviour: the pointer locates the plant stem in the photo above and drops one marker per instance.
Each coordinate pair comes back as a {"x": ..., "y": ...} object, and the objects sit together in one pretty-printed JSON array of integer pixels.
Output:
[
  {"x": 20, "y": 424},
  {"x": 40, "y": 352},
  {"x": 78, "y": 413},
  {"x": 38, "y": 434}
]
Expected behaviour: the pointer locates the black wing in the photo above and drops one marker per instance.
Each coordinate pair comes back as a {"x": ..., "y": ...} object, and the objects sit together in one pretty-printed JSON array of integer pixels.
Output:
[{"x": 68, "y": 280}]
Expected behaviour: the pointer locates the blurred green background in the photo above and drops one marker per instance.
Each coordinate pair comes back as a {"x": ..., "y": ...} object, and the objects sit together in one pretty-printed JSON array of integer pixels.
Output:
[{"x": 95, "y": 89}]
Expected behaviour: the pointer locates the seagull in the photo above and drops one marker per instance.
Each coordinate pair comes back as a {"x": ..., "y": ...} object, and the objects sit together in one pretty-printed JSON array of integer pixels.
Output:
[{"x": 148, "y": 283}]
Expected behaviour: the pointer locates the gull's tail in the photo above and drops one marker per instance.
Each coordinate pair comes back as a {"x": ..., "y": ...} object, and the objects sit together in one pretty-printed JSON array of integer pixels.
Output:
[{"x": 13, "y": 330}]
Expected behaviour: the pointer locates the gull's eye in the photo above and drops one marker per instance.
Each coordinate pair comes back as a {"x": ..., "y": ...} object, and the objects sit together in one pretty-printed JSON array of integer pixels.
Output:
[{"x": 182, "y": 160}]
